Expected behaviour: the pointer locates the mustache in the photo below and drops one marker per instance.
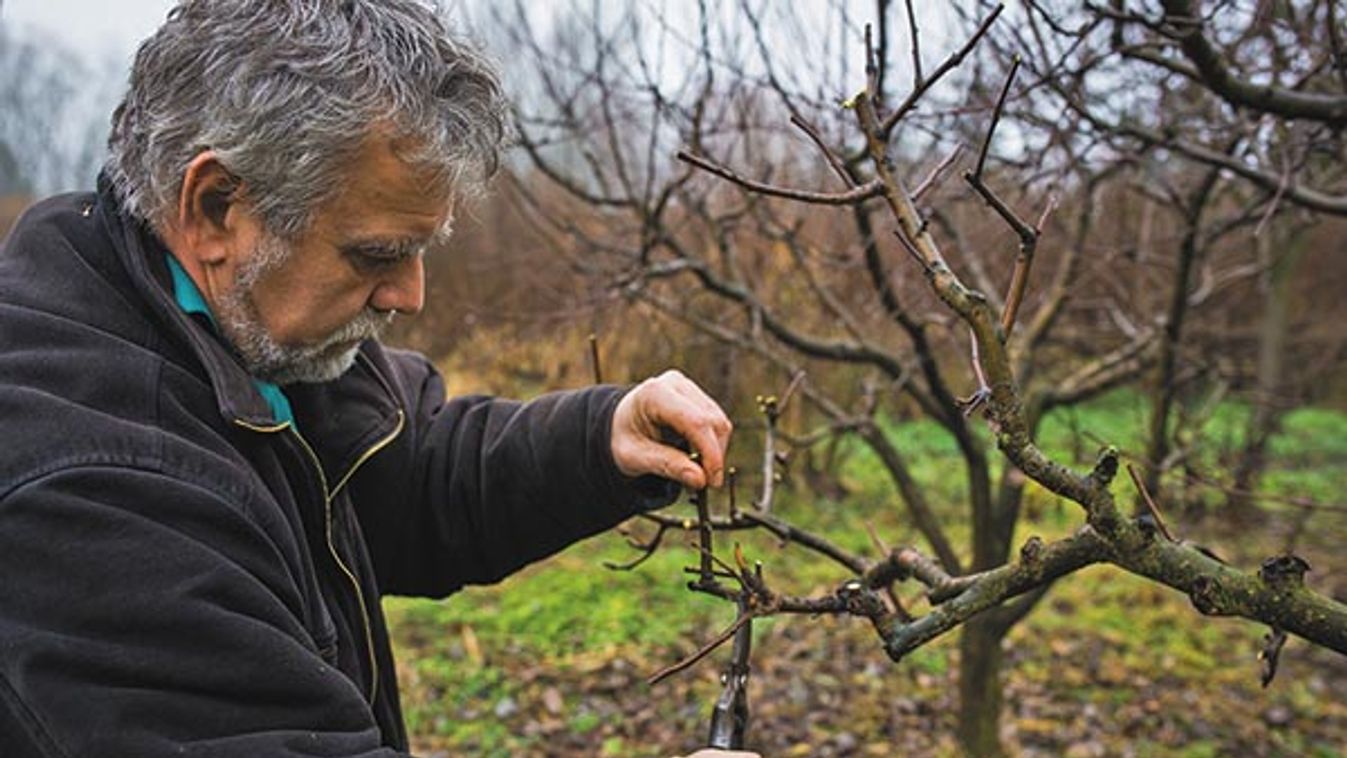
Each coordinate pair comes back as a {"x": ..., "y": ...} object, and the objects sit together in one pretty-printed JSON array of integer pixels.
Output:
[{"x": 368, "y": 324}]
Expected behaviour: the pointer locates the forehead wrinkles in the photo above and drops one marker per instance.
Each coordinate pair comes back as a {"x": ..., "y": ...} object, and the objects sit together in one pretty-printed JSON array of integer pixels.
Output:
[{"x": 382, "y": 189}]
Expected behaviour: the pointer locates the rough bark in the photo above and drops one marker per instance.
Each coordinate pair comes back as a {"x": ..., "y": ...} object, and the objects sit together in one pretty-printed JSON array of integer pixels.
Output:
[{"x": 981, "y": 660}]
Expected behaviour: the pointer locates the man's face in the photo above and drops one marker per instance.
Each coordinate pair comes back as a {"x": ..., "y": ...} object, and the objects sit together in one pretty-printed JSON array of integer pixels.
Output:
[{"x": 298, "y": 312}]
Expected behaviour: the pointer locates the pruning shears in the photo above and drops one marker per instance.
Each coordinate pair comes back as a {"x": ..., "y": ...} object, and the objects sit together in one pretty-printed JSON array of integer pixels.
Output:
[{"x": 729, "y": 718}]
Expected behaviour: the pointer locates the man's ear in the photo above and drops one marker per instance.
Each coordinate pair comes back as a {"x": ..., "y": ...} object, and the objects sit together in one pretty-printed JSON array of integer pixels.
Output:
[{"x": 210, "y": 214}]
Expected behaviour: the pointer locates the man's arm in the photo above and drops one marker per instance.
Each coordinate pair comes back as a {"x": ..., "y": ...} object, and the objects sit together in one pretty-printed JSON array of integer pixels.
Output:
[
  {"x": 141, "y": 615},
  {"x": 477, "y": 487}
]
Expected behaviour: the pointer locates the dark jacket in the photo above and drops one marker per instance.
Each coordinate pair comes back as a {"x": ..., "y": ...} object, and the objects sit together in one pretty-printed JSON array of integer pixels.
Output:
[{"x": 181, "y": 575}]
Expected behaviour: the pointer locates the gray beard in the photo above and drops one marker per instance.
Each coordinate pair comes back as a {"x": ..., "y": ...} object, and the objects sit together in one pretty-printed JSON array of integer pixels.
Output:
[{"x": 268, "y": 360}]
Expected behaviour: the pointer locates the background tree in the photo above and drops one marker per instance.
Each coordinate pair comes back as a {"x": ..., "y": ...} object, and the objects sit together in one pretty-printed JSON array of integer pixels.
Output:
[
  {"x": 1171, "y": 81},
  {"x": 800, "y": 291}
]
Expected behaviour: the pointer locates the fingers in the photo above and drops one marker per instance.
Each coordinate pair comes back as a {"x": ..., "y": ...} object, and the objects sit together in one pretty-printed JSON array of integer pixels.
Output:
[
  {"x": 670, "y": 463},
  {"x": 674, "y": 402},
  {"x": 703, "y": 424}
]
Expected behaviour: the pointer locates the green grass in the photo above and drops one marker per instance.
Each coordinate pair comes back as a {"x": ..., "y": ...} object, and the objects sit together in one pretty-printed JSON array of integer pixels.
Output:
[{"x": 571, "y": 603}]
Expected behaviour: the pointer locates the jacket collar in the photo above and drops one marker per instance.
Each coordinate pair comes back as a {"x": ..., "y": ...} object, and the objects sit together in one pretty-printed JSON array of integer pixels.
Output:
[
  {"x": 190, "y": 300},
  {"x": 142, "y": 254}
]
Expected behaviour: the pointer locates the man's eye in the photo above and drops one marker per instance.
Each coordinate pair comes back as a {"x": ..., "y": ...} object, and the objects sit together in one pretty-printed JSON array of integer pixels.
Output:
[{"x": 371, "y": 258}]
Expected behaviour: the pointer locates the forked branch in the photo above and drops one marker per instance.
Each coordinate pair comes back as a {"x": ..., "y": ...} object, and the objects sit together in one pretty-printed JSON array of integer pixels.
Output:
[{"x": 1275, "y": 596}]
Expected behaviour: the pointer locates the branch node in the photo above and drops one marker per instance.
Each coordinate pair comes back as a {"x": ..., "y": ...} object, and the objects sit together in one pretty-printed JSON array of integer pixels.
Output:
[
  {"x": 1105, "y": 468},
  {"x": 1204, "y": 594},
  {"x": 1032, "y": 549},
  {"x": 1147, "y": 525},
  {"x": 859, "y": 601},
  {"x": 970, "y": 404},
  {"x": 1284, "y": 572}
]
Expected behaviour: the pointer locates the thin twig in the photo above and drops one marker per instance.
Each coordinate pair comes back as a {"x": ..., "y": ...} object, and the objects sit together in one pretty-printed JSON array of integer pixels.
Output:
[
  {"x": 871, "y": 68},
  {"x": 795, "y": 382},
  {"x": 1150, "y": 503},
  {"x": 916, "y": 45},
  {"x": 706, "y": 650},
  {"x": 996, "y": 117},
  {"x": 768, "y": 407},
  {"x": 828, "y": 154},
  {"x": 704, "y": 533},
  {"x": 731, "y": 480},
  {"x": 1048, "y": 209},
  {"x": 1019, "y": 278},
  {"x": 594, "y": 358},
  {"x": 1273, "y": 204},
  {"x": 875, "y": 539},
  {"x": 949, "y": 64},
  {"x": 855, "y": 195},
  {"x": 648, "y": 549},
  {"x": 727, "y": 571},
  {"x": 912, "y": 250},
  {"x": 937, "y": 173},
  {"x": 980, "y": 395}
]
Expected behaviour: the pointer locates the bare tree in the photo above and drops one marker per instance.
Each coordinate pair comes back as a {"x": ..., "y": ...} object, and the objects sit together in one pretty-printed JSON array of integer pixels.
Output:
[
  {"x": 1174, "y": 80},
  {"x": 809, "y": 254}
]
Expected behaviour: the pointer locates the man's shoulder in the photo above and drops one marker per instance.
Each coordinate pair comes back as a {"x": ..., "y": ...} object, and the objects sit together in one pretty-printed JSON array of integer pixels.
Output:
[
  {"x": 74, "y": 395},
  {"x": 84, "y": 371},
  {"x": 54, "y": 218},
  {"x": 129, "y": 419},
  {"x": 55, "y": 206},
  {"x": 59, "y": 268}
]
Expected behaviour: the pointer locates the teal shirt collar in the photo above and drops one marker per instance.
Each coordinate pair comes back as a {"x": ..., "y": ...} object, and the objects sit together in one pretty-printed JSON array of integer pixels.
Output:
[{"x": 190, "y": 300}]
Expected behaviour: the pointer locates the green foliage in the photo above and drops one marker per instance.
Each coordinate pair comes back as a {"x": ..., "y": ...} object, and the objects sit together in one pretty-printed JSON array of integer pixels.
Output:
[{"x": 1310, "y": 454}]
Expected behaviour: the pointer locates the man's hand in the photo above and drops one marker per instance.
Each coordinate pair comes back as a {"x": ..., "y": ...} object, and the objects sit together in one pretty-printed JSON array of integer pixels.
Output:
[{"x": 671, "y": 401}]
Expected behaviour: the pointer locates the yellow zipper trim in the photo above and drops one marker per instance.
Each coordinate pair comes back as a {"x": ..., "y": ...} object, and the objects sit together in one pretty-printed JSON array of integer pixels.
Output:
[
  {"x": 371, "y": 452},
  {"x": 328, "y": 496},
  {"x": 263, "y": 429}
]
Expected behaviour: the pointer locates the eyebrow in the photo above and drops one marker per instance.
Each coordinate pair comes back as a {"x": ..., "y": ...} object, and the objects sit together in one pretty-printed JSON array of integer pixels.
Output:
[{"x": 401, "y": 247}]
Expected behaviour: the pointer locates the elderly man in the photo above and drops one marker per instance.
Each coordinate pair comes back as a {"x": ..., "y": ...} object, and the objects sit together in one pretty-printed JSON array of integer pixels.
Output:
[{"x": 213, "y": 470}]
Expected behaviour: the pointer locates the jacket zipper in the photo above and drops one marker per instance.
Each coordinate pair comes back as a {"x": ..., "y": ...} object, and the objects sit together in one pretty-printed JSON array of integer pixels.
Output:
[{"x": 328, "y": 496}]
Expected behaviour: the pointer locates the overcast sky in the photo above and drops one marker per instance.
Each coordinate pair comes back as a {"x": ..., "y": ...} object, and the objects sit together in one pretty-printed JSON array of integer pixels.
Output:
[
  {"x": 102, "y": 36},
  {"x": 96, "y": 27}
]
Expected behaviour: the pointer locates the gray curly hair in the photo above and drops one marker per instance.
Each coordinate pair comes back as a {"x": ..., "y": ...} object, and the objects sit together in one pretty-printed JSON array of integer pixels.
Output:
[{"x": 286, "y": 91}]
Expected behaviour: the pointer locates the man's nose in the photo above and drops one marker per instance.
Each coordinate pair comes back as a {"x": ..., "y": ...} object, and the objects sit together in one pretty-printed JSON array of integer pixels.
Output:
[{"x": 403, "y": 289}]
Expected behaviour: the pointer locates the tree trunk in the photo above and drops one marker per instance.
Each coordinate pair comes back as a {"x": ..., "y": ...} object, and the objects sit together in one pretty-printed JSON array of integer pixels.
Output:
[
  {"x": 1268, "y": 403},
  {"x": 1165, "y": 389},
  {"x": 981, "y": 658}
]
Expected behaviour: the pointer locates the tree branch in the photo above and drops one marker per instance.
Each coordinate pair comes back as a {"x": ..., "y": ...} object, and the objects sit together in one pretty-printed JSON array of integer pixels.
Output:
[
  {"x": 1330, "y": 109},
  {"x": 857, "y": 194}
]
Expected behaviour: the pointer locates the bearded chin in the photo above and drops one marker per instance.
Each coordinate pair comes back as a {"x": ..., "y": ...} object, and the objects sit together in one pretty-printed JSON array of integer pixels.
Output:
[{"x": 264, "y": 357}]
